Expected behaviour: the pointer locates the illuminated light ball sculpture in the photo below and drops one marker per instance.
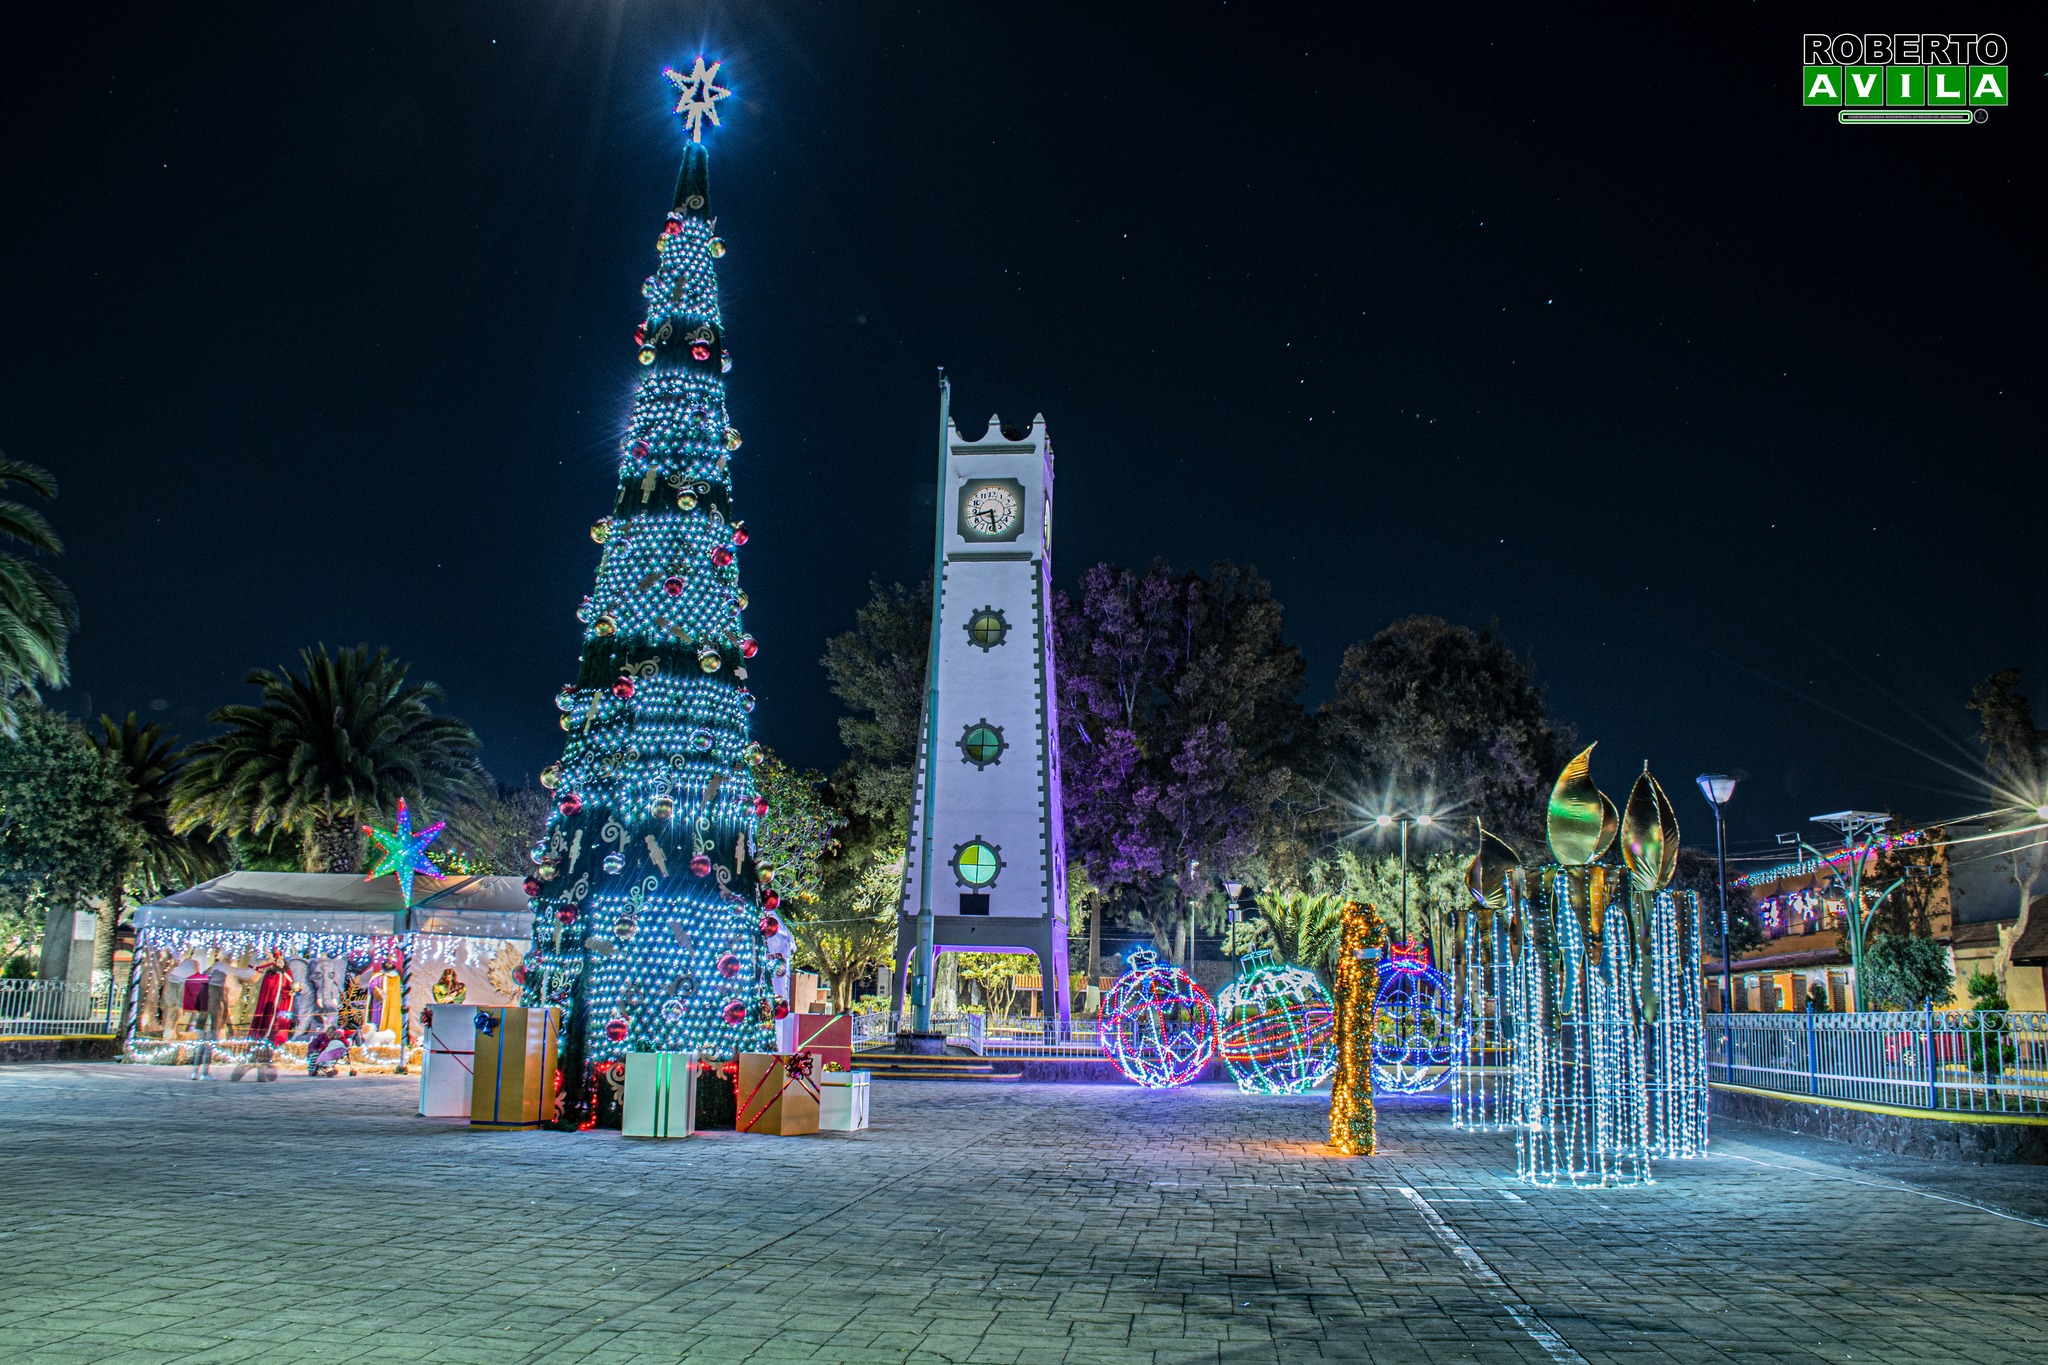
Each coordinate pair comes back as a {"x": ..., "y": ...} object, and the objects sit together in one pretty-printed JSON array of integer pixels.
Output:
[
  {"x": 1276, "y": 1028},
  {"x": 1417, "y": 1041},
  {"x": 1158, "y": 1027}
]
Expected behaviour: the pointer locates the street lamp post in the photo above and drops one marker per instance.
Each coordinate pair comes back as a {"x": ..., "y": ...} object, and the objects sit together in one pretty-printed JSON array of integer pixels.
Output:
[
  {"x": 1718, "y": 788},
  {"x": 1404, "y": 821}
]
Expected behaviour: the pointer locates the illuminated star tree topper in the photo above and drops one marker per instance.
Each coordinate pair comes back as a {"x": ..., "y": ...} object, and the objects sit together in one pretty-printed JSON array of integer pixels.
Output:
[
  {"x": 404, "y": 851},
  {"x": 700, "y": 96}
]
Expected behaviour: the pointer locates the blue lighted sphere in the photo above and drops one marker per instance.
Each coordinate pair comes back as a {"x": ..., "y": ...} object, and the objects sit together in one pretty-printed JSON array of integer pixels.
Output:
[
  {"x": 1417, "y": 1040},
  {"x": 1276, "y": 1028},
  {"x": 1157, "y": 1025}
]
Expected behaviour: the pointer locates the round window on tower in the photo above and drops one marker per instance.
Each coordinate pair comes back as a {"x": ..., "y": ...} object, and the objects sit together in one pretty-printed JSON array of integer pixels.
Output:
[
  {"x": 986, "y": 628},
  {"x": 976, "y": 863},
  {"x": 982, "y": 744}
]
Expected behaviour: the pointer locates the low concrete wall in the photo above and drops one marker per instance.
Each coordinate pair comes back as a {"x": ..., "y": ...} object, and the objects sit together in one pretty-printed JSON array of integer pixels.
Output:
[
  {"x": 1088, "y": 1070},
  {"x": 1932, "y": 1138},
  {"x": 20, "y": 1050}
]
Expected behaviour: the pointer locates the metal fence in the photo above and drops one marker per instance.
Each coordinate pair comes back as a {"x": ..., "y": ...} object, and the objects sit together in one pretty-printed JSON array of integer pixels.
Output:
[
  {"x": 55, "y": 1009},
  {"x": 1958, "y": 1061}
]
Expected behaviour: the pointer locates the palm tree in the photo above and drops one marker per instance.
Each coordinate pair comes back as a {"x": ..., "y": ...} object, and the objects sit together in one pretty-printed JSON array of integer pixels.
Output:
[
  {"x": 147, "y": 762},
  {"x": 150, "y": 762},
  {"x": 1301, "y": 927},
  {"x": 37, "y": 613},
  {"x": 323, "y": 750}
]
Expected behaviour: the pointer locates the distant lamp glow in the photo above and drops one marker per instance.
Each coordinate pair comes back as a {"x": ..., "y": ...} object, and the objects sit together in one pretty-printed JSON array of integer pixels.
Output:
[
  {"x": 1383, "y": 821},
  {"x": 1425, "y": 819},
  {"x": 2041, "y": 812},
  {"x": 1716, "y": 787}
]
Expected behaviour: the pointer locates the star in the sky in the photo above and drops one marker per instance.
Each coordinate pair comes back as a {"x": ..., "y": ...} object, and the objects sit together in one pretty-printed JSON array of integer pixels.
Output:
[
  {"x": 699, "y": 96},
  {"x": 404, "y": 851}
]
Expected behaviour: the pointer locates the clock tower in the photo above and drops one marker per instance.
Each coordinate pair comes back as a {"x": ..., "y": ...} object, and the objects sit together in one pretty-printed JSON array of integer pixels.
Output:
[{"x": 987, "y": 859}]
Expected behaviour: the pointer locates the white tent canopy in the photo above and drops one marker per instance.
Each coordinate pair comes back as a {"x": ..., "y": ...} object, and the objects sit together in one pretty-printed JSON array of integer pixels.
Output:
[{"x": 341, "y": 903}]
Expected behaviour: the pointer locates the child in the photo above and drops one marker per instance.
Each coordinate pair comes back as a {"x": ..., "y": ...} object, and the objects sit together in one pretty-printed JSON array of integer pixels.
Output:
[{"x": 323, "y": 1050}]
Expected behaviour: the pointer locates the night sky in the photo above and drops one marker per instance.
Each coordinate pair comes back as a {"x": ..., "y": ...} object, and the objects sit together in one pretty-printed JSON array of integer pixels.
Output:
[{"x": 1729, "y": 417}]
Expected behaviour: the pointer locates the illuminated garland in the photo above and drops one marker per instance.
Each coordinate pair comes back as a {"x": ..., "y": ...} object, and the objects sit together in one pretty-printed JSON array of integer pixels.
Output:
[
  {"x": 1811, "y": 865},
  {"x": 1158, "y": 1026},
  {"x": 1276, "y": 1028},
  {"x": 1352, "y": 1130}
]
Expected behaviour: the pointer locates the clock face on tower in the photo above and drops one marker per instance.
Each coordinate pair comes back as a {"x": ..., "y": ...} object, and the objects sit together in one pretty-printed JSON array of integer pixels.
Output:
[{"x": 991, "y": 509}]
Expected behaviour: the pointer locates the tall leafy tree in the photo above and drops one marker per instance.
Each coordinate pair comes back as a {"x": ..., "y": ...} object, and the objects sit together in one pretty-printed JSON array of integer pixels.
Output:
[
  {"x": 1449, "y": 716},
  {"x": 149, "y": 762},
  {"x": 327, "y": 747},
  {"x": 37, "y": 613},
  {"x": 1178, "y": 720},
  {"x": 2016, "y": 768},
  {"x": 66, "y": 834},
  {"x": 492, "y": 833},
  {"x": 877, "y": 670}
]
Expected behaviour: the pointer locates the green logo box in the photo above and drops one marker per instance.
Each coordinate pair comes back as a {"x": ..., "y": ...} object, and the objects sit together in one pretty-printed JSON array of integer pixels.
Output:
[
  {"x": 1903, "y": 86},
  {"x": 1820, "y": 85}
]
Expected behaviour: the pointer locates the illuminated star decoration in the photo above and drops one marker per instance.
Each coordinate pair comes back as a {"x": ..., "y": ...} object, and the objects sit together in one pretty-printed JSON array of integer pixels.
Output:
[
  {"x": 404, "y": 851},
  {"x": 699, "y": 96}
]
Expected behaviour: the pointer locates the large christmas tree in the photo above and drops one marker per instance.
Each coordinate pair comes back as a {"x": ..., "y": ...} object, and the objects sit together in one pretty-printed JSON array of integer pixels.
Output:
[{"x": 652, "y": 917}]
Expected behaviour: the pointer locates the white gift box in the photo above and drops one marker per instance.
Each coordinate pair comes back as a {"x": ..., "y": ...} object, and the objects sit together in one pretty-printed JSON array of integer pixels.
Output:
[
  {"x": 447, "y": 1062},
  {"x": 660, "y": 1099},
  {"x": 842, "y": 1101}
]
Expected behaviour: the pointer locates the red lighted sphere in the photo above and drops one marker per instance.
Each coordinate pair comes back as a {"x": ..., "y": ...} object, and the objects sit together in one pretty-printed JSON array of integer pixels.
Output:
[
  {"x": 701, "y": 865},
  {"x": 772, "y": 900},
  {"x": 623, "y": 689},
  {"x": 721, "y": 556},
  {"x": 770, "y": 926},
  {"x": 735, "y": 1012},
  {"x": 781, "y": 1009},
  {"x": 672, "y": 585},
  {"x": 565, "y": 914},
  {"x": 739, "y": 534},
  {"x": 616, "y": 1030},
  {"x": 760, "y": 805},
  {"x": 728, "y": 965},
  {"x": 571, "y": 804},
  {"x": 531, "y": 886},
  {"x": 748, "y": 647}
]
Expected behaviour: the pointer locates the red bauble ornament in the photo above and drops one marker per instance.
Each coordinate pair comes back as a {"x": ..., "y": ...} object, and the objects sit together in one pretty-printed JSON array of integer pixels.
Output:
[
  {"x": 565, "y": 914},
  {"x": 773, "y": 902},
  {"x": 672, "y": 585},
  {"x": 640, "y": 447},
  {"x": 616, "y": 1030},
  {"x": 519, "y": 975},
  {"x": 735, "y": 1012},
  {"x": 700, "y": 350},
  {"x": 749, "y": 647},
  {"x": 760, "y": 805},
  {"x": 531, "y": 886},
  {"x": 701, "y": 865},
  {"x": 673, "y": 227},
  {"x": 782, "y": 1009},
  {"x": 770, "y": 926},
  {"x": 728, "y": 965},
  {"x": 623, "y": 689},
  {"x": 739, "y": 533},
  {"x": 721, "y": 556},
  {"x": 571, "y": 804},
  {"x": 640, "y": 335}
]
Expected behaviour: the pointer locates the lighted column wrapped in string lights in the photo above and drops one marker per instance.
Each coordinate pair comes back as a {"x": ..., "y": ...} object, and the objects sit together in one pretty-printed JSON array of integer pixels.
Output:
[
  {"x": 1361, "y": 938},
  {"x": 1579, "y": 1042}
]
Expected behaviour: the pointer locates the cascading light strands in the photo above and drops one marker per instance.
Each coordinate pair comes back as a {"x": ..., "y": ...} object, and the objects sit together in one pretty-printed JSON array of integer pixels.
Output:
[
  {"x": 1276, "y": 1028},
  {"x": 1417, "y": 1038},
  {"x": 1362, "y": 935},
  {"x": 1579, "y": 1056},
  {"x": 651, "y": 913},
  {"x": 1486, "y": 983},
  {"x": 1158, "y": 1026}
]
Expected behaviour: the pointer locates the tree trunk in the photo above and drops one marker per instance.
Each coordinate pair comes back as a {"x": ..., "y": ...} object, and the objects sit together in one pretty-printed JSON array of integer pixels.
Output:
[{"x": 334, "y": 843}]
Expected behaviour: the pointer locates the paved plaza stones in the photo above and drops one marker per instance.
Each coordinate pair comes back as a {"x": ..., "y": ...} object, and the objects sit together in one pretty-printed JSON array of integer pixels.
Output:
[{"x": 149, "y": 1218}]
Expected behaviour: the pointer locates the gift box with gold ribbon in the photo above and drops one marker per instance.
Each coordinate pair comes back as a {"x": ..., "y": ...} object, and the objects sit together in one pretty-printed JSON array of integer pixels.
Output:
[
  {"x": 514, "y": 1082},
  {"x": 777, "y": 1093}
]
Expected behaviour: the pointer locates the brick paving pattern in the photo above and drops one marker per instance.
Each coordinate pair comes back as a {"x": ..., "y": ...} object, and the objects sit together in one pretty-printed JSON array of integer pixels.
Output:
[{"x": 148, "y": 1218}]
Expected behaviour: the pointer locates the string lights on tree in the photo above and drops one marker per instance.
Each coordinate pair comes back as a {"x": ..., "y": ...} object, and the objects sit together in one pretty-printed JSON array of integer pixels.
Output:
[{"x": 650, "y": 898}]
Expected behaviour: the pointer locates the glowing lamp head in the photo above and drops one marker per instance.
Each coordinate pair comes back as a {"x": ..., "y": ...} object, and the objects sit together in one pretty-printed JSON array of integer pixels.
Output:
[
  {"x": 1384, "y": 821},
  {"x": 1716, "y": 787}
]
